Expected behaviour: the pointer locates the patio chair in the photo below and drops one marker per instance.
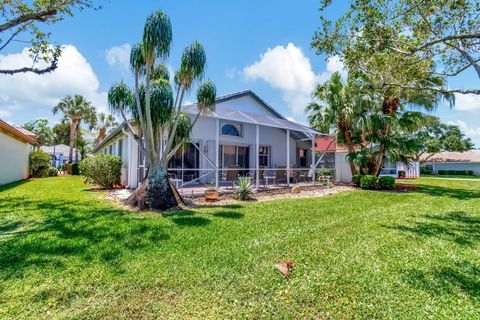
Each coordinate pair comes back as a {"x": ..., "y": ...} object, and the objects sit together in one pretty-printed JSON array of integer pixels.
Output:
[
  {"x": 281, "y": 175},
  {"x": 231, "y": 175}
]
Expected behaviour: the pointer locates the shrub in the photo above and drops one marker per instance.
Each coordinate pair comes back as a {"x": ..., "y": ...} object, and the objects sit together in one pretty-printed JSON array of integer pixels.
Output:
[
  {"x": 424, "y": 170},
  {"x": 325, "y": 172},
  {"x": 386, "y": 183},
  {"x": 63, "y": 167},
  {"x": 244, "y": 188},
  {"x": 75, "y": 169},
  {"x": 442, "y": 172},
  {"x": 102, "y": 169},
  {"x": 356, "y": 179},
  {"x": 401, "y": 174},
  {"x": 52, "y": 172},
  {"x": 469, "y": 172},
  {"x": 39, "y": 163},
  {"x": 368, "y": 182}
]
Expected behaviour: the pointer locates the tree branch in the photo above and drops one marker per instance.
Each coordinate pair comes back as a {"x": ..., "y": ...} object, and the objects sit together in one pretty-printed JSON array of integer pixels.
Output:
[
  {"x": 38, "y": 16},
  {"x": 462, "y": 91},
  {"x": 14, "y": 34},
  {"x": 52, "y": 67}
]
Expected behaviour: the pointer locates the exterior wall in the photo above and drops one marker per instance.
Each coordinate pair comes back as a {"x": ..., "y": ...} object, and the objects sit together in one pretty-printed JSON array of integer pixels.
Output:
[
  {"x": 13, "y": 159},
  {"x": 475, "y": 167},
  {"x": 342, "y": 167},
  {"x": 247, "y": 104}
]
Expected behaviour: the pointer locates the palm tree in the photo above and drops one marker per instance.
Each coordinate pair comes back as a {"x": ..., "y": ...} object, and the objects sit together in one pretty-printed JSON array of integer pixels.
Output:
[
  {"x": 75, "y": 110},
  {"x": 160, "y": 127},
  {"x": 342, "y": 106},
  {"x": 104, "y": 124}
]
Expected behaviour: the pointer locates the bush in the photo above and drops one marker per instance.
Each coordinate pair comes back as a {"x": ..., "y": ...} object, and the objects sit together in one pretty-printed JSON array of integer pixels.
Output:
[
  {"x": 75, "y": 169},
  {"x": 469, "y": 172},
  {"x": 39, "y": 163},
  {"x": 386, "y": 183},
  {"x": 368, "y": 182},
  {"x": 401, "y": 174},
  {"x": 325, "y": 172},
  {"x": 52, "y": 172},
  {"x": 424, "y": 170},
  {"x": 442, "y": 172},
  {"x": 356, "y": 179},
  {"x": 244, "y": 188},
  {"x": 102, "y": 169}
]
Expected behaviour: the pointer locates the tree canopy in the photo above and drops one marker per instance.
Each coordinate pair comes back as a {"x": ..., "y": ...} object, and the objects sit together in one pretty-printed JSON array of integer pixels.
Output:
[{"x": 27, "y": 19}]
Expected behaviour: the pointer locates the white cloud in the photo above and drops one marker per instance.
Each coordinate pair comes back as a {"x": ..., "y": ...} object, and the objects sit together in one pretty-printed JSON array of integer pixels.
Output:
[
  {"x": 288, "y": 70},
  {"x": 26, "y": 92},
  {"x": 119, "y": 56},
  {"x": 471, "y": 132},
  {"x": 230, "y": 73},
  {"x": 5, "y": 113},
  {"x": 467, "y": 102}
]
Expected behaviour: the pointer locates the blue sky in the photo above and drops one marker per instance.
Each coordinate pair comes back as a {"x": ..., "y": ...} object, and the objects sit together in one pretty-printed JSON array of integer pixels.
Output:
[{"x": 260, "y": 45}]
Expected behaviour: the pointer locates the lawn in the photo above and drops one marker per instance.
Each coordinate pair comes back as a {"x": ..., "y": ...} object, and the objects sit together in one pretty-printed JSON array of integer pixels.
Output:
[
  {"x": 449, "y": 176},
  {"x": 66, "y": 253}
]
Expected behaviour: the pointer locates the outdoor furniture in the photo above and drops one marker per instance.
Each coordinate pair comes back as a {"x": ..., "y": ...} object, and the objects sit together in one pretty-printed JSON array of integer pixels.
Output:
[
  {"x": 281, "y": 174},
  {"x": 231, "y": 175},
  {"x": 173, "y": 178}
]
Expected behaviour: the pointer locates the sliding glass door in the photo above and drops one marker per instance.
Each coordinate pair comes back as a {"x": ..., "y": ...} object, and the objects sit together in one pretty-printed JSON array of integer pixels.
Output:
[{"x": 232, "y": 156}]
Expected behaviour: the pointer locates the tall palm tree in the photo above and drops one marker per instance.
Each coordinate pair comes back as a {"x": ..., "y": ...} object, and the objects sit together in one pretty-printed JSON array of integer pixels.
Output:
[
  {"x": 76, "y": 109},
  {"x": 105, "y": 123},
  {"x": 343, "y": 107},
  {"x": 160, "y": 125}
]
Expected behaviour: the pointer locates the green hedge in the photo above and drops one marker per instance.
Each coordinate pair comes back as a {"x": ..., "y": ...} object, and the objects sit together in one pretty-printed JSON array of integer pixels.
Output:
[
  {"x": 356, "y": 179},
  {"x": 102, "y": 169},
  {"x": 386, "y": 183},
  {"x": 455, "y": 172},
  {"x": 75, "y": 169},
  {"x": 368, "y": 182},
  {"x": 39, "y": 163}
]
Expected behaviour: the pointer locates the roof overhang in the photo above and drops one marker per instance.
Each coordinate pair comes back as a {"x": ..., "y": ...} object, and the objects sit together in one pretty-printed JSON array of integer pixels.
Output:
[{"x": 15, "y": 133}]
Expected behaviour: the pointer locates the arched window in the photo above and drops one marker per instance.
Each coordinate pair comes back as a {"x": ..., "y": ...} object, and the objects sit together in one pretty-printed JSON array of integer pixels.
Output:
[{"x": 230, "y": 130}]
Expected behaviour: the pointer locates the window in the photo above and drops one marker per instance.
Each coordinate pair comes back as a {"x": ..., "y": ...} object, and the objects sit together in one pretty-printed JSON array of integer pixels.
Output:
[
  {"x": 120, "y": 147},
  {"x": 110, "y": 149},
  {"x": 231, "y": 130},
  {"x": 429, "y": 167},
  {"x": 264, "y": 156},
  {"x": 303, "y": 158}
]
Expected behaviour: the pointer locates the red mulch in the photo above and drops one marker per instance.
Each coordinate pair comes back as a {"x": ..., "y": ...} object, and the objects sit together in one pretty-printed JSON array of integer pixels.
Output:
[{"x": 406, "y": 187}]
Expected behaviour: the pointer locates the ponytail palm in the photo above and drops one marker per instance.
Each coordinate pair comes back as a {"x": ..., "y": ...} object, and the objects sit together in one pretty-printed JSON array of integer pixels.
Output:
[{"x": 155, "y": 107}]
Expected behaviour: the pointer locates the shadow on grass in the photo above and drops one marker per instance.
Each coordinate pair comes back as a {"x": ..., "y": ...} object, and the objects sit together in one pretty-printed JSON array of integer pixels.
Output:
[
  {"x": 229, "y": 215},
  {"x": 67, "y": 230},
  {"x": 457, "y": 226},
  {"x": 437, "y": 191},
  {"x": 12, "y": 185},
  {"x": 445, "y": 280}
]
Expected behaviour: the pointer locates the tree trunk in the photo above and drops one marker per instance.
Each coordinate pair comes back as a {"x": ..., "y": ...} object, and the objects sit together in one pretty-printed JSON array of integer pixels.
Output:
[
  {"x": 348, "y": 138},
  {"x": 72, "y": 139},
  {"x": 156, "y": 193}
]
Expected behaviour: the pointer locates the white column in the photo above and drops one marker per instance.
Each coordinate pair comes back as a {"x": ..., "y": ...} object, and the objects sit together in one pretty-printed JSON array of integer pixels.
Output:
[
  {"x": 257, "y": 156},
  {"x": 314, "y": 167},
  {"x": 288, "y": 157},
  {"x": 217, "y": 151}
]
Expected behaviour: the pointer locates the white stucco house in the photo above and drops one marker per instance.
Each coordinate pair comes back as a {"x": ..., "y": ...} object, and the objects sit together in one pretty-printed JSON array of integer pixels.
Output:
[
  {"x": 59, "y": 154},
  {"x": 461, "y": 161},
  {"x": 15, "y": 147},
  {"x": 244, "y": 134},
  {"x": 343, "y": 173}
]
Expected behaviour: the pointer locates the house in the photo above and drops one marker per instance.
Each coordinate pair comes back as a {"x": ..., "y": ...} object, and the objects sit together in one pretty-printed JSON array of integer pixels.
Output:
[
  {"x": 15, "y": 147},
  {"x": 59, "y": 154},
  {"x": 460, "y": 161},
  {"x": 343, "y": 172},
  {"x": 244, "y": 134}
]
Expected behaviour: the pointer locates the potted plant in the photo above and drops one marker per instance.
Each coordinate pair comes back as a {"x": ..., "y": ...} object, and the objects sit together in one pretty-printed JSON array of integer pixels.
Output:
[{"x": 211, "y": 194}]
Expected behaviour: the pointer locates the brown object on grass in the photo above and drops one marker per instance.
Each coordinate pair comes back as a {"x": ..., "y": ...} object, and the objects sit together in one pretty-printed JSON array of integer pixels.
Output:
[
  {"x": 285, "y": 267},
  {"x": 296, "y": 189}
]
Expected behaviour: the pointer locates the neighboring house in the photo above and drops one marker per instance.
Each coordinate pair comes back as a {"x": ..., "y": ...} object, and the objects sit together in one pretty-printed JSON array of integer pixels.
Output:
[
  {"x": 468, "y": 160},
  {"x": 344, "y": 174},
  {"x": 15, "y": 147},
  {"x": 59, "y": 154},
  {"x": 244, "y": 133}
]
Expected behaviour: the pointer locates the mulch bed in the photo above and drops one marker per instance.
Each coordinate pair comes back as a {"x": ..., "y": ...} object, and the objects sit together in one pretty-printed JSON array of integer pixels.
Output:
[{"x": 406, "y": 188}]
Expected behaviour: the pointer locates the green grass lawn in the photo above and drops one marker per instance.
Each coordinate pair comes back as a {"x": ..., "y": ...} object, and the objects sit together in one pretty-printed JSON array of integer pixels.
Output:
[
  {"x": 449, "y": 176},
  {"x": 65, "y": 253}
]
